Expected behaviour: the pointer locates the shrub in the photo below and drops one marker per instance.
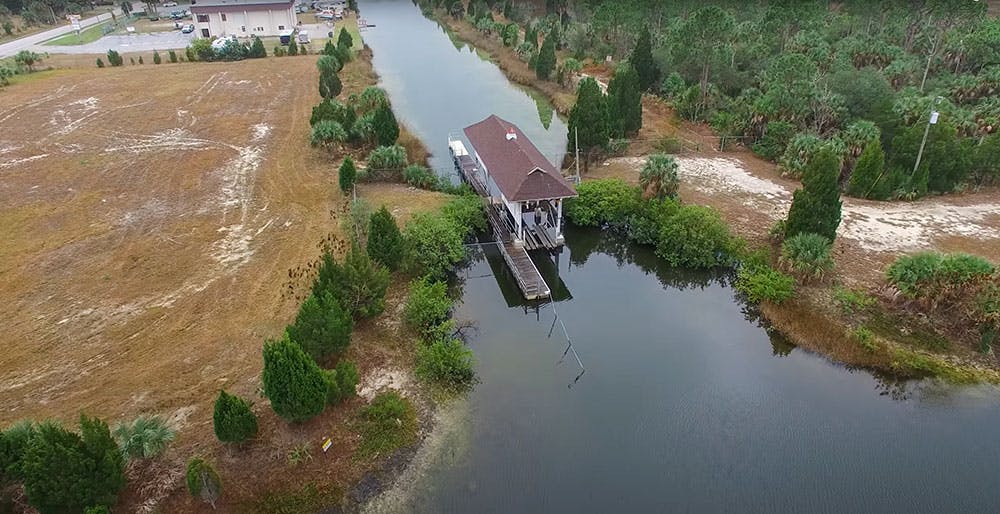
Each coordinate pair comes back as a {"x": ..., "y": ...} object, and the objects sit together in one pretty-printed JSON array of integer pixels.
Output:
[
  {"x": 233, "y": 418},
  {"x": 433, "y": 245},
  {"x": 100, "y": 63},
  {"x": 358, "y": 283},
  {"x": 329, "y": 84},
  {"x": 191, "y": 55},
  {"x": 279, "y": 51},
  {"x": 807, "y": 255},
  {"x": 777, "y": 135},
  {"x": 658, "y": 176},
  {"x": 172, "y": 56},
  {"x": 420, "y": 176},
  {"x": 466, "y": 210},
  {"x": 13, "y": 443},
  {"x": 329, "y": 63},
  {"x": 144, "y": 438},
  {"x": 68, "y": 472},
  {"x": 386, "y": 161},
  {"x": 816, "y": 207},
  {"x": 606, "y": 201},
  {"x": 292, "y": 381},
  {"x": 341, "y": 382},
  {"x": 932, "y": 275},
  {"x": 868, "y": 173},
  {"x": 331, "y": 109},
  {"x": 257, "y": 49},
  {"x": 322, "y": 327},
  {"x": 202, "y": 49},
  {"x": 293, "y": 47},
  {"x": 385, "y": 241},
  {"x": 156, "y": 57},
  {"x": 852, "y": 301},
  {"x": 344, "y": 39},
  {"x": 668, "y": 145},
  {"x": 328, "y": 132},
  {"x": 203, "y": 481},
  {"x": 427, "y": 306},
  {"x": 132, "y": 60},
  {"x": 696, "y": 237},
  {"x": 347, "y": 174},
  {"x": 446, "y": 362},
  {"x": 761, "y": 283},
  {"x": 645, "y": 224},
  {"x": 114, "y": 58},
  {"x": 390, "y": 422},
  {"x": 864, "y": 337}
]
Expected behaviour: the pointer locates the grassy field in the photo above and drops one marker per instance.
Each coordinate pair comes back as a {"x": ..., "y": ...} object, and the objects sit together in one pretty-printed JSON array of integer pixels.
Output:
[{"x": 87, "y": 35}]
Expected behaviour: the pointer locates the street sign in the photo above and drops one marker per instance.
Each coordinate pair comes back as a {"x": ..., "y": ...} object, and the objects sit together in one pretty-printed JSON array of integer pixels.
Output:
[{"x": 934, "y": 117}]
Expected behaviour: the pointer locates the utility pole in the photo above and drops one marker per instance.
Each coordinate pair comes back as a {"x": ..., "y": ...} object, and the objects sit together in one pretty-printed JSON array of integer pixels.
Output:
[{"x": 931, "y": 121}]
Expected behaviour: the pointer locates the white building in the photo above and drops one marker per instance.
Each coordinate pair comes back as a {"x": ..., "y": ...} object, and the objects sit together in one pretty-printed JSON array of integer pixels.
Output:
[{"x": 243, "y": 18}]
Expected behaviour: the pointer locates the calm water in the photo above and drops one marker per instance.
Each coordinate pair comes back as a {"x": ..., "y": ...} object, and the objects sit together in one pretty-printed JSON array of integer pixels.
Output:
[{"x": 687, "y": 404}]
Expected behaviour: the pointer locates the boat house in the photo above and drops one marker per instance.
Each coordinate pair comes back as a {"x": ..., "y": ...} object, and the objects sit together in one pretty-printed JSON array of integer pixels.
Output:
[{"x": 514, "y": 175}]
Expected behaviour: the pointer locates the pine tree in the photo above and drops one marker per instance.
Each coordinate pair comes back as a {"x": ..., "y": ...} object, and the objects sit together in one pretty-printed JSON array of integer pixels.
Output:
[
  {"x": 329, "y": 84},
  {"x": 588, "y": 118},
  {"x": 347, "y": 174},
  {"x": 546, "y": 61},
  {"x": 322, "y": 328},
  {"x": 816, "y": 207},
  {"x": 257, "y": 49},
  {"x": 293, "y": 48},
  {"x": 385, "y": 125},
  {"x": 172, "y": 56},
  {"x": 233, "y": 419},
  {"x": 642, "y": 59},
  {"x": 385, "y": 242},
  {"x": 624, "y": 102},
  {"x": 329, "y": 48},
  {"x": 156, "y": 57},
  {"x": 344, "y": 39},
  {"x": 292, "y": 381},
  {"x": 68, "y": 472},
  {"x": 867, "y": 171},
  {"x": 359, "y": 283},
  {"x": 203, "y": 481}
]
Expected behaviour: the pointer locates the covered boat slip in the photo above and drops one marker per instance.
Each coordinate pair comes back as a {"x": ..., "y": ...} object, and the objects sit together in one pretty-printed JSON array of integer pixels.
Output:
[{"x": 522, "y": 192}]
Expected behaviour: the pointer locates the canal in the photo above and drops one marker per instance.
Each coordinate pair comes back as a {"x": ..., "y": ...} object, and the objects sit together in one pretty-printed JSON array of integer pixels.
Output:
[{"x": 687, "y": 403}]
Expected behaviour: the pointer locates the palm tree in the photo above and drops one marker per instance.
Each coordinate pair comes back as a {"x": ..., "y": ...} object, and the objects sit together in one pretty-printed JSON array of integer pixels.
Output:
[{"x": 658, "y": 177}]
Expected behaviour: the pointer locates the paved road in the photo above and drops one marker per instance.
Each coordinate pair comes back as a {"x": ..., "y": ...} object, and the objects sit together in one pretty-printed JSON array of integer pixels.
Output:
[
  {"x": 128, "y": 43},
  {"x": 33, "y": 41}
]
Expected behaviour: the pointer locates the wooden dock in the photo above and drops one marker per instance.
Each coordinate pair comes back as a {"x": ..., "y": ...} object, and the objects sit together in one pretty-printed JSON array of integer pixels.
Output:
[{"x": 528, "y": 278}]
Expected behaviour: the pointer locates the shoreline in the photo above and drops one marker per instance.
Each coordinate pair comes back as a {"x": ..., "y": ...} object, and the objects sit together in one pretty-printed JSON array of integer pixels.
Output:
[{"x": 799, "y": 318}]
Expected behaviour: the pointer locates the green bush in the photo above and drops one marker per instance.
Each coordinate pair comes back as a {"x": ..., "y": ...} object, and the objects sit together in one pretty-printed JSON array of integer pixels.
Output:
[
  {"x": 101, "y": 509},
  {"x": 68, "y": 472},
  {"x": 696, "y": 237},
  {"x": 328, "y": 132},
  {"x": 332, "y": 109},
  {"x": 385, "y": 241},
  {"x": 447, "y": 363},
  {"x": 257, "y": 49},
  {"x": 606, "y": 201},
  {"x": 233, "y": 418},
  {"x": 156, "y": 57},
  {"x": 344, "y": 39},
  {"x": 864, "y": 337},
  {"x": 434, "y": 244},
  {"x": 386, "y": 162},
  {"x": 144, "y": 438},
  {"x": 931, "y": 275},
  {"x": 347, "y": 174},
  {"x": 341, "y": 382},
  {"x": 100, "y": 63},
  {"x": 420, "y": 176},
  {"x": 807, "y": 255},
  {"x": 172, "y": 56},
  {"x": 659, "y": 176},
  {"x": 644, "y": 226},
  {"x": 669, "y": 145},
  {"x": 761, "y": 283},
  {"x": 114, "y": 58},
  {"x": 329, "y": 84},
  {"x": 322, "y": 327},
  {"x": 328, "y": 63},
  {"x": 385, "y": 125},
  {"x": 466, "y": 210},
  {"x": 777, "y": 135},
  {"x": 816, "y": 208},
  {"x": 359, "y": 284},
  {"x": 389, "y": 423},
  {"x": 868, "y": 173},
  {"x": 427, "y": 306},
  {"x": 203, "y": 481},
  {"x": 292, "y": 381}
]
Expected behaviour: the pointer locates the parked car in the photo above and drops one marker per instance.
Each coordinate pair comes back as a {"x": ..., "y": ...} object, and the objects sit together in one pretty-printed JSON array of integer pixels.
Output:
[
  {"x": 170, "y": 4},
  {"x": 177, "y": 15},
  {"x": 187, "y": 29}
]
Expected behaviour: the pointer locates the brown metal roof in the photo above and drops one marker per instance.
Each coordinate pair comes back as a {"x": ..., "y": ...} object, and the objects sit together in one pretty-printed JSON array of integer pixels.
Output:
[{"x": 516, "y": 165}]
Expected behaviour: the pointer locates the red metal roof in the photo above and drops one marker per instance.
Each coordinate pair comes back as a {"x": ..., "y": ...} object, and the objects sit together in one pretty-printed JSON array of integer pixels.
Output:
[
  {"x": 520, "y": 171},
  {"x": 215, "y": 6}
]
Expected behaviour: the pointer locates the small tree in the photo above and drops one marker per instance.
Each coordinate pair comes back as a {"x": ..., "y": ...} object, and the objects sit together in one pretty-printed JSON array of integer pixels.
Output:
[
  {"x": 816, "y": 207},
  {"x": 172, "y": 56},
  {"x": 642, "y": 59},
  {"x": 140, "y": 60},
  {"x": 100, "y": 63},
  {"x": 385, "y": 242},
  {"x": 359, "y": 283},
  {"x": 434, "y": 244},
  {"x": 28, "y": 59},
  {"x": 588, "y": 118},
  {"x": 293, "y": 48},
  {"x": 867, "y": 172},
  {"x": 329, "y": 62},
  {"x": 233, "y": 419},
  {"x": 322, "y": 327},
  {"x": 257, "y": 49},
  {"x": 658, "y": 177},
  {"x": 347, "y": 174},
  {"x": 344, "y": 39},
  {"x": 624, "y": 102},
  {"x": 68, "y": 472},
  {"x": 428, "y": 305},
  {"x": 386, "y": 127},
  {"x": 545, "y": 63},
  {"x": 156, "y": 57},
  {"x": 292, "y": 381},
  {"x": 329, "y": 84},
  {"x": 203, "y": 481},
  {"x": 114, "y": 58},
  {"x": 144, "y": 438}
]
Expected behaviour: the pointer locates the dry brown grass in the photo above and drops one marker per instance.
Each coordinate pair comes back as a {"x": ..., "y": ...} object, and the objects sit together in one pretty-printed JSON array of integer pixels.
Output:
[{"x": 160, "y": 238}]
